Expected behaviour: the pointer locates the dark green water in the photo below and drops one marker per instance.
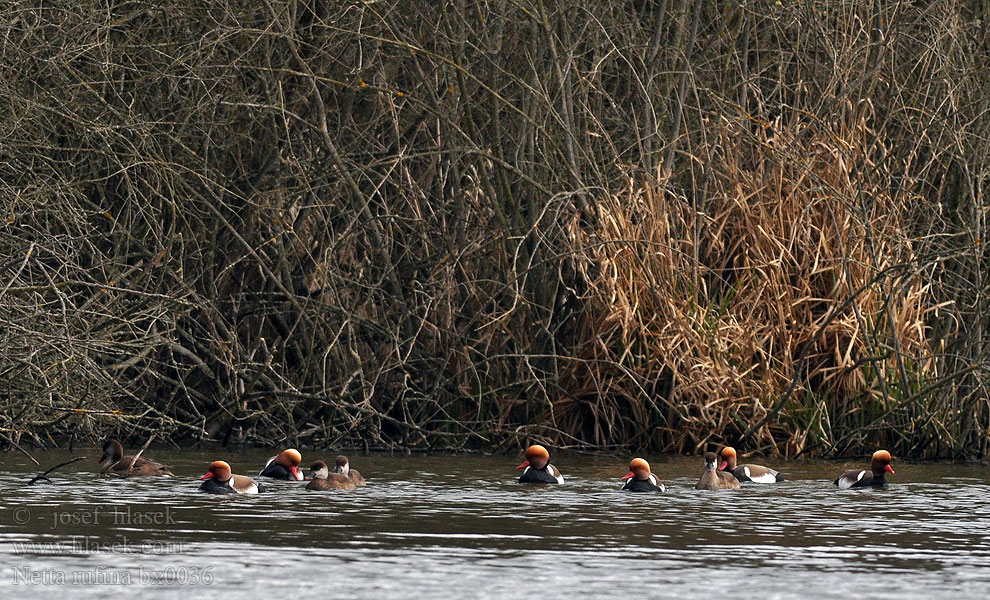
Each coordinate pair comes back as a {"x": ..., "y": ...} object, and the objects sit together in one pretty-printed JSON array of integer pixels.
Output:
[{"x": 454, "y": 526}]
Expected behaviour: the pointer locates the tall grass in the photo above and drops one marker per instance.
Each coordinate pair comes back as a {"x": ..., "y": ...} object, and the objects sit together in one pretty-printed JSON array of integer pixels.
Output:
[
  {"x": 654, "y": 225},
  {"x": 761, "y": 308}
]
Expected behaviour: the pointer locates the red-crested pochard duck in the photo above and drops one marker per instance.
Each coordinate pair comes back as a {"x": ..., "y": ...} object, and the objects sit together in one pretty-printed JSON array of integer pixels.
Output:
[
  {"x": 284, "y": 465},
  {"x": 343, "y": 467},
  {"x": 322, "y": 479},
  {"x": 640, "y": 478},
  {"x": 219, "y": 480},
  {"x": 713, "y": 479},
  {"x": 875, "y": 477},
  {"x": 115, "y": 464},
  {"x": 538, "y": 467},
  {"x": 754, "y": 473}
]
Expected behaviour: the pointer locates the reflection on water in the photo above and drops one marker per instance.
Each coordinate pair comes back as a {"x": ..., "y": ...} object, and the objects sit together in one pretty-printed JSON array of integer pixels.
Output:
[{"x": 428, "y": 527}]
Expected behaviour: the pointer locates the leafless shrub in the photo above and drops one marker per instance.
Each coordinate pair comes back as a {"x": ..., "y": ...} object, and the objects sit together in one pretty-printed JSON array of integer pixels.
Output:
[{"x": 463, "y": 224}]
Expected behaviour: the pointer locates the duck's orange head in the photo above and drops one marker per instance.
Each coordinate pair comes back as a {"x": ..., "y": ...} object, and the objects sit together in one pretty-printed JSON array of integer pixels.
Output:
[
  {"x": 290, "y": 459},
  {"x": 638, "y": 468},
  {"x": 536, "y": 457},
  {"x": 728, "y": 458},
  {"x": 219, "y": 470},
  {"x": 881, "y": 462}
]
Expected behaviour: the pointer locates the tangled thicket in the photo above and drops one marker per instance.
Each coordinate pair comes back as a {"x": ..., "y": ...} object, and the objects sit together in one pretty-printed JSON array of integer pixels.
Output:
[{"x": 653, "y": 225}]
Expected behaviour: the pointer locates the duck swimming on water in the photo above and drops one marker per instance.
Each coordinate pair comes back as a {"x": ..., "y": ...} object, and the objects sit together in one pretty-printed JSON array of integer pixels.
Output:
[
  {"x": 284, "y": 465},
  {"x": 754, "y": 473},
  {"x": 219, "y": 480},
  {"x": 875, "y": 477},
  {"x": 712, "y": 479},
  {"x": 640, "y": 478},
  {"x": 114, "y": 464},
  {"x": 321, "y": 479},
  {"x": 538, "y": 468},
  {"x": 343, "y": 467}
]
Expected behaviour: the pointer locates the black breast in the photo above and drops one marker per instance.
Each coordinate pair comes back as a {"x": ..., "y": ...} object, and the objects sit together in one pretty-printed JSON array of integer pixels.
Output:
[
  {"x": 871, "y": 480},
  {"x": 641, "y": 485},
  {"x": 213, "y": 486},
  {"x": 537, "y": 476},
  {"x": 276, "y": 471}
]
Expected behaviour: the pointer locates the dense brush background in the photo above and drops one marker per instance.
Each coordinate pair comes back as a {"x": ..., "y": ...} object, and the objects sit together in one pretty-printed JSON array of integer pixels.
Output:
[{"x": 652, "y": 225}]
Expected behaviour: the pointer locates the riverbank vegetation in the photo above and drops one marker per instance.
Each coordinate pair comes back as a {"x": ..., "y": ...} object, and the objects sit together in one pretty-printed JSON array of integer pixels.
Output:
[{"x": 651, "y": 225}]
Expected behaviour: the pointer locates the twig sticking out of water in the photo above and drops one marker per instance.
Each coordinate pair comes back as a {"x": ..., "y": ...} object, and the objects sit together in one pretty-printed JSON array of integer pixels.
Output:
[
  {"x": 137, "y": 456},
  {"x": 26, "y": 453},
  {"x": 45, "y": 474}
]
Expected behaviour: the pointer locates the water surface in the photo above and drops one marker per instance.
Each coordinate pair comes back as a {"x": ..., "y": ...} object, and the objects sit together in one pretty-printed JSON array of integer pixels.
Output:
[{"x": 442, "y": 526}]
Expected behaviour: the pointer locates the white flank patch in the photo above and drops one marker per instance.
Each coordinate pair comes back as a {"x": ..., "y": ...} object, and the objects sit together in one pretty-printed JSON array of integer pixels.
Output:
[
  {"x": 251, "y": 490},
  {"x": 847, "y": 482},
  {"x": 769, "y": 477}
]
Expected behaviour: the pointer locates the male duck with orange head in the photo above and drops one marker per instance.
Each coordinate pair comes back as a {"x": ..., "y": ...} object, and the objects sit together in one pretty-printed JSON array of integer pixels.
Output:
[
  {"x": 640, "y": 478},
  {"x": 875, "y": 477},
  {"x": 219, "y": 480},
  {"x": 284, "y": 465},
  {"x": 754, "y": 473},
  {"x": 538, "y": 468}
]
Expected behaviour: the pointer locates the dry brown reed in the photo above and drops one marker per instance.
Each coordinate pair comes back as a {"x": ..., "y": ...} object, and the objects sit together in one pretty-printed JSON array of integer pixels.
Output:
[
  {"x": 657, "y": 225},
  {"x": 779, "y": 279}
]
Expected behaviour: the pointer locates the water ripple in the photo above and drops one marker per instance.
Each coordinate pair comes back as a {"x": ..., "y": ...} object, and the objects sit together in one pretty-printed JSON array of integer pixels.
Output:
[{"x": 424, "y": 524}]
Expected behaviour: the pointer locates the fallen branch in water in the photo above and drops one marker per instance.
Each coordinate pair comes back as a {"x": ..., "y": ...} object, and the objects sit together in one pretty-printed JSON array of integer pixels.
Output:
[{"x": 45, "y": 474}]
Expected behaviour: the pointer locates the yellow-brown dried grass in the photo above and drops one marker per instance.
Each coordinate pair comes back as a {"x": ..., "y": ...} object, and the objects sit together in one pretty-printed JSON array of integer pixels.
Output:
[{"x": 788, "y": 247}]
